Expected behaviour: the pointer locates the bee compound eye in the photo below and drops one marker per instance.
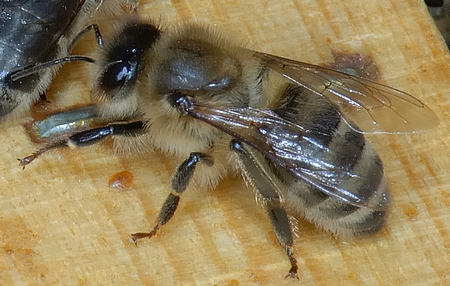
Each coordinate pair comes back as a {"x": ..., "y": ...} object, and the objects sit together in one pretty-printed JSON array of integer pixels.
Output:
[{"x": 118, "y": 75}]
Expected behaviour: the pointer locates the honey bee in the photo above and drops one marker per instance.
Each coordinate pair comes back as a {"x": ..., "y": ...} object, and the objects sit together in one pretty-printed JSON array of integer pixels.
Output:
[
  {"x": 294, "y": 130},
  {"x": 36, "y": 37}
]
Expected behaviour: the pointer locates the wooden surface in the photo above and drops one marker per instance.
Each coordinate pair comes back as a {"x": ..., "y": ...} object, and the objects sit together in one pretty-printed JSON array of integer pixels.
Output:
[{"x": 61, "y": 224}]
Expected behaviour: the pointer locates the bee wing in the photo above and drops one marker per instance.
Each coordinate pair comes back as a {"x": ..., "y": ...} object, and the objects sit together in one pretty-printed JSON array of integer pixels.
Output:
[
  {"x": 289, "y": 145},
  {"x": 374, "y": 107}
]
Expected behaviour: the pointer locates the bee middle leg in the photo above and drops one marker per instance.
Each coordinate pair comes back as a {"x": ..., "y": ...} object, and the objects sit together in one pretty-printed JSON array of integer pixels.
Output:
[
  {"x": 180, "y": 182},
  {"x": 267, "y": 187}
]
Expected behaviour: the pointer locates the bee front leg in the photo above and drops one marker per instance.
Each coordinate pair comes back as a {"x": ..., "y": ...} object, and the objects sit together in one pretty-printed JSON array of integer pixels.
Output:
[
  {"x": 90, "y": 137},
  {"x": 266, "y": 186},
  {"x": 180, "y": 182}
]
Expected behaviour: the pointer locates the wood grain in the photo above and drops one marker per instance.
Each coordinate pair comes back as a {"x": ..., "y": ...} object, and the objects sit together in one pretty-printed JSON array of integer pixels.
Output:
[{"x": 61, "y": 224}]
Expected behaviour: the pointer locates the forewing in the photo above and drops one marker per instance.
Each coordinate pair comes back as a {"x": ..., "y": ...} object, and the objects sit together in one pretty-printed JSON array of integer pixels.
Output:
[
  {"x": 291, "y": 147},
  {"x": 371, "y": 107}
]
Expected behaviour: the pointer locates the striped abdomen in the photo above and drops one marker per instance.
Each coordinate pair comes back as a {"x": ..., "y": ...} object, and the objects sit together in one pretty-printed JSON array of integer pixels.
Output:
[{"x": 351, "y": 152}]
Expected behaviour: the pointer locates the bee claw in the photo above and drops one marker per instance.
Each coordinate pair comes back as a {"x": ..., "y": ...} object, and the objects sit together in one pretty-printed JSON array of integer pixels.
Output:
[
  {"x": 136, "y": 236},
  {"x": 27, "y": 160},
  {"x": 134, "y": 240},
  {"x": 292, "y": 275},
  {"x": 293, "y": 271}
]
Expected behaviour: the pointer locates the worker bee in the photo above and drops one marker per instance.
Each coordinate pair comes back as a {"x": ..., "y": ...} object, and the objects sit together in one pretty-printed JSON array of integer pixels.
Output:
[
  {"x": 294, "y": 130},
  {"x": 35, "y": 38}
]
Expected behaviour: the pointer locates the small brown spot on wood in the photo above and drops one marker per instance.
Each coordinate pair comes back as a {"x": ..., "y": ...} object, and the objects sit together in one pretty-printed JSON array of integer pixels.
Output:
[
  {"x": 356, "y": 64},
  {"x": 8, "y": 248},
  {"x": 411, "y": 211},
  {"x": 122, "y": 181}
]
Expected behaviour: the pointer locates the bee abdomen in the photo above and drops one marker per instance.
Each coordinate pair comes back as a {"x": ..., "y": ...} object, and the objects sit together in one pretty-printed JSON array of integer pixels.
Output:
[
  {"x": 334, "y": 214},
  {"x": 340, "y": 217},
  {"x": 351, "y": 152}
]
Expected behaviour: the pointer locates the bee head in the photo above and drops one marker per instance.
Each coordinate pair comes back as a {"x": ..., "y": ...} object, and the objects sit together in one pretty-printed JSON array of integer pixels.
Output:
[{"x": 122, "y": 60}]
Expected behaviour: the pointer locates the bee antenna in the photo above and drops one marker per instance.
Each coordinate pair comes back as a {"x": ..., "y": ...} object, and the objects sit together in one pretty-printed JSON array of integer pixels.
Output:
[{"x": 29, "y": 70}]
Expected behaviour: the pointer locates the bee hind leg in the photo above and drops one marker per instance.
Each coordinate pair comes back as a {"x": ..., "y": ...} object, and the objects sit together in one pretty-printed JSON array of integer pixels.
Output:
[
  {"x": 281, "y": 226},
  {"x": 180, "y": 182},
  {"x": 267, "y": 187}
]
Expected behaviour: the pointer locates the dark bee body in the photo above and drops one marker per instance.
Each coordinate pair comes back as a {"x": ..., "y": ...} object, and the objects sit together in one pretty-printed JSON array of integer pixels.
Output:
[
  {"x": 33, "y": 33},
  {"x": 194, "y": 93}
]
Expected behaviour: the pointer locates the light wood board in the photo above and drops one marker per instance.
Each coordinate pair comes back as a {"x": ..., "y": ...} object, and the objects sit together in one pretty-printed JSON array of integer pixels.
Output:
[{"x": 60, "y": 224}]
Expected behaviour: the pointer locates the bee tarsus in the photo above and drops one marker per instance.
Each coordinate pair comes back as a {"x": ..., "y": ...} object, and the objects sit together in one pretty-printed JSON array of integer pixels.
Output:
[
  {"x": 180, "y": 182},
  {"x": 294, "y": 268}
]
